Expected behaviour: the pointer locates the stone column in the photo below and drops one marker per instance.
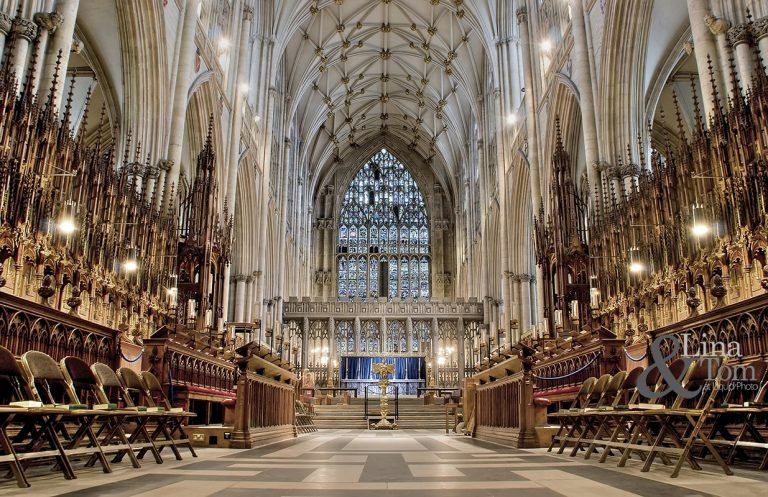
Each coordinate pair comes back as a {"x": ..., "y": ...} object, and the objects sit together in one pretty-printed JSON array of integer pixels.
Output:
[
  {"x": 719, "y": 28},
  {"x": 760, "y": 32},
  {"x": 580, "y": 58},
  {"x": 460, "y": 348},
  {"x": 409, "y": 334},
  {"x": 304, "y": 342},
  {"x": 266, "y": 160},
  {"x": 531, "y": 131},
  {"x": 435, "y": 364},
  {"x": 184, "y": 71},
  {"x": 47, "y": 24},
  {"x": 283, "y": 221},
  {"x": 383, "y": 335},
  {"x": 525, "y": 302},
  {"x": 530, "y": 109},
  {"x": 249, "y": 281},
  {"x": 331, "y": 345},
  {"x": 239, "y": 101},
  {"x": 239, "y": 314},
  {"x": 741, "y": 39},
  {"x": 704, "y": 46},
  {"x": 5, "y": 28},
  {"x": 357, "y": 334},
  {"x": 435, "y": 331},
  {"x": 515, "y": 280},
  {"x": 24, "y": 31},
  {"x": 61, "y": 42}
]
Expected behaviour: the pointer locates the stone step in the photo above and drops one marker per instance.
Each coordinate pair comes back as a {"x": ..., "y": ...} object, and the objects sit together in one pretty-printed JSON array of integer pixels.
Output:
[{"x": 413, "y": 414}]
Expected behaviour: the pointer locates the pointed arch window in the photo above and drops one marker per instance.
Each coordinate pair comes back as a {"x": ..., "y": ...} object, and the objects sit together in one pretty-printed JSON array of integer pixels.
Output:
[{"x": 383, "y": 240}]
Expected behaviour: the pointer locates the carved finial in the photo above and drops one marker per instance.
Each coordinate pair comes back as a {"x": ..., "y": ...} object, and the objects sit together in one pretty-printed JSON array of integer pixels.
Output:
[
  {"x": 127, "y": 149},
  {"x": 84, "y": 122},
  {"x": 678, "y": 116},
  {"x": 54, "y": 84},
  {"x": 102, "y": 120},
  {"x": 68, "y": 105},
  {"x": 713, "y": 82},
  {"x": 736, "y": 99},
  {"x": 558, "y": 135},
  {"x": 29, "y": 80},
  {"x": 209, "y": 137},
  {"x": 696, "y": 106}
]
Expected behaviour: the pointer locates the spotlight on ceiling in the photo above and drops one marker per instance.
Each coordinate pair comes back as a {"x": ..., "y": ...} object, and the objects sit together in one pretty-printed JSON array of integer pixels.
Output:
[
  {"x": 512, "y": 119},
  {"x": 546, "y": 44}
]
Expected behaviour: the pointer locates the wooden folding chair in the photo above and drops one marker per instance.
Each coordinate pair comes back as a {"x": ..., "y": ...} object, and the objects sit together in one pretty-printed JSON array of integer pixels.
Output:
[
  {"x": 111, "y": 390},
  {"x": 160, "y": 434},
  {"x": 609, "y": 420},
  {"x": 679, "y": 427},
  {"x": 177, "y": 416},
  {"x": 579, "y": 423},
  {"x": 741, "y": 414},
  {"x": 566, "y": 416},
  {"x": 593, "y": 418},
  {"x": 50, "y": 386},
  {"x": 629, "y": 421},
  {"x": 35, "y": 437},
  {"x": 86, "y": 388}
]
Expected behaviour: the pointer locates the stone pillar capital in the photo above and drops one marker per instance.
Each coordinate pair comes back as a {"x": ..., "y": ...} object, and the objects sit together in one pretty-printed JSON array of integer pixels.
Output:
[
  {"x": 739, "y": 34},
  {"x": 247, "y": 13},
  {"x": 760, "y": 28},
  {"x": 25, "y": 28},
  {"x": 522, "y": 15}
]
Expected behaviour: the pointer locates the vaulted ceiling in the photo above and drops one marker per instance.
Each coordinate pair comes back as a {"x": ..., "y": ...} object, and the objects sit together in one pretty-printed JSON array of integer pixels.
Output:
[{"x": 364, "y": 70}]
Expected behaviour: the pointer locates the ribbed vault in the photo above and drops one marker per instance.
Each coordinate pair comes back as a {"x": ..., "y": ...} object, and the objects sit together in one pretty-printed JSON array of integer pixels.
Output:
[{"x": 406, "y": 70}]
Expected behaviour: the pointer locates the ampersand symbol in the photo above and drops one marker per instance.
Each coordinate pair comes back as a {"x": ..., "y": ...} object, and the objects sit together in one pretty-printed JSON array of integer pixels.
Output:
[{"x": 672, "y": 383}]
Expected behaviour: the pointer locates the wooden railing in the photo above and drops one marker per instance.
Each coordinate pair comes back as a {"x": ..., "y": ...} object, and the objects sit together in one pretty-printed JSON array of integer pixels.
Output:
[
  {"x": 27, "y": 325},
  {"x": 501, "y": 408},
  {"x": 195, "y": 380},
  {"x": 265, "y": 406}
]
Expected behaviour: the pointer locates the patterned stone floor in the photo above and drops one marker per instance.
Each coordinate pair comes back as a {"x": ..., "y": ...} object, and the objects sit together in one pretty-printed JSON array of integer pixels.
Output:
[{"x": 422, "y": 463}]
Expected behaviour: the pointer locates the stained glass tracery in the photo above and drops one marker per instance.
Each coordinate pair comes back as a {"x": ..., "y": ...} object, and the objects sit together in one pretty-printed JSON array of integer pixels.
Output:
[{"x": 383, "y": 240}]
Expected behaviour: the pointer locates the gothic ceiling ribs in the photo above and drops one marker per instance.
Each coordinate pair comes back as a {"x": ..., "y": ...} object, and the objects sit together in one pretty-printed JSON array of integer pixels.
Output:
[{"x": 406, "y": 69}]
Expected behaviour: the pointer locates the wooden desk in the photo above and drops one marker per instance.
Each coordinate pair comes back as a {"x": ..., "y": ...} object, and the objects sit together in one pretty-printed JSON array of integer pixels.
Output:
[
  {"x": 338, "y": 389},
  {"x": 439, "y": 391},
  {"x": 454, "y": 408}
]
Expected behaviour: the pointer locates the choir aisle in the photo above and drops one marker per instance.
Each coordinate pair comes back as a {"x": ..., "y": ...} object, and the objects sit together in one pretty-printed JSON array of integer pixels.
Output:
[{"x": 352, "y": 463}]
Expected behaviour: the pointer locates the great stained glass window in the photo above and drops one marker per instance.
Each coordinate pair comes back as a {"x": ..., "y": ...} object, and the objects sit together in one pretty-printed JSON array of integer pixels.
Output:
[{"x": 383, "y": 245}]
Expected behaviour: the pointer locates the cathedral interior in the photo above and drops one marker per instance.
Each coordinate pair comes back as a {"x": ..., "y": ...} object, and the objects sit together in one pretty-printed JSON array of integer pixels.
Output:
[{"x": 332, "y": 247}]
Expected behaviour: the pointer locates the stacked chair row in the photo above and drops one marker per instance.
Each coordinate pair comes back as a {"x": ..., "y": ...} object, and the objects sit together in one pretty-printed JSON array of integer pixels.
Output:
[
  {"x": 719, "y": 413},
  {"x": 59, "y": 413}
]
